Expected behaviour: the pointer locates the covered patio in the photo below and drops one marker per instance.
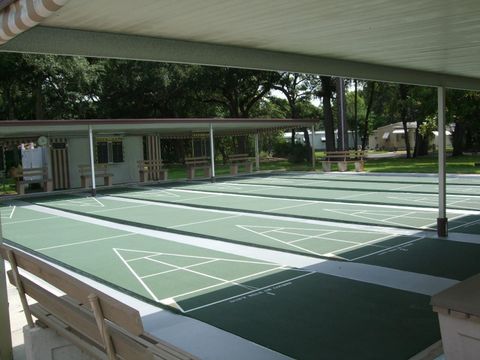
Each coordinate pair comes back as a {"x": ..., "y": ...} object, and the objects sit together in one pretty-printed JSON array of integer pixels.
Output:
[{"x": 429, "y": 43}]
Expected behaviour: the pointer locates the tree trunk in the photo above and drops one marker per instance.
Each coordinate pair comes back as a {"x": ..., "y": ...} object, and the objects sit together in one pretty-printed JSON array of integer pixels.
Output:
[
  {"x": 37, "y": 93},
  {"x": 307, "y": 144},
  {"x": 367, "y": 115},
  {"x": 403, "y": 91},
  {"x": 327, "y": 90},
  {"x": 458, "y": 139}
]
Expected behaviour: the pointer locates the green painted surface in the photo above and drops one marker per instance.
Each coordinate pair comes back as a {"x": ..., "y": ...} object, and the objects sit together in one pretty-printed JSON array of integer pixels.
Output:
[
  {"x": 326, "y": 317},
  {"x": 301, "y": 314},
  {"x": 448, "y": 259}
]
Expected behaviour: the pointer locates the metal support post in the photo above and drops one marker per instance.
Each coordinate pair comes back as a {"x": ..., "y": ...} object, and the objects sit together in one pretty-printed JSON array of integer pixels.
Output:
[
  {"x": 313, "y": 147},
  {"x": 257, "y": 153},
  {"x": 442, "y": 221},
  {"x": 212, "y": 153},
  {"x": 92, "y": 161}
]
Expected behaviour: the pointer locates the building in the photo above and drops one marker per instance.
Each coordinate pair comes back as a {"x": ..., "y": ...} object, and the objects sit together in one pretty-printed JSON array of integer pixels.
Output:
[{"x": 391, "y": 137}]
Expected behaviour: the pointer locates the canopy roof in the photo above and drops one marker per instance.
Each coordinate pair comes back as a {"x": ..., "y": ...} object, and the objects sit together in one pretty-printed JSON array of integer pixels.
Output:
[
  {"x": 428, "y": 42},
  {"x": 163, "y": 127}
]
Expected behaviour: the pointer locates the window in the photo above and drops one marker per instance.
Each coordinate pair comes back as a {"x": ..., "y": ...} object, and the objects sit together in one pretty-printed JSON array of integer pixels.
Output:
[{"x": 109, "y": 150}]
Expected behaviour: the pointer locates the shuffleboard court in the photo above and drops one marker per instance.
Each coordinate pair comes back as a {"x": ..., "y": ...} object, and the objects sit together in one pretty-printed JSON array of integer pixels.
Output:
[
  {"x": 304, "y": 237},
  {"x": 371, "y": 214},
  {"x": 233, "y": 292},
  {"x": 251, "y": 251},
  {"x": 390, "y": 186},
  {"x": 468, "y": 180},
  {"x": 464, "y": 202}
]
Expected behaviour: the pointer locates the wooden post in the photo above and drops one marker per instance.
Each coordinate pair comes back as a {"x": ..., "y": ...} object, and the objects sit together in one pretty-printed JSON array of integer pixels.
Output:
[
  {"x": 5, "y": 330},
  {"x": 102, "y": 327},
  {"x": 21, "y": 291}
]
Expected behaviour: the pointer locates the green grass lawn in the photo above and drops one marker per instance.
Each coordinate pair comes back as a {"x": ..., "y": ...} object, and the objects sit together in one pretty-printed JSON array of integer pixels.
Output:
[{"x": 464, "y": 164}]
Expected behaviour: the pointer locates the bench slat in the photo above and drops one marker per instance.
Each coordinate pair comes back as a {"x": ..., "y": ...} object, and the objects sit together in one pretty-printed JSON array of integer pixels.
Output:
[
  {"x": 73, "y": 317},
  {"x": 115, "y": 311},
  {"x": 83, "y": 321}
]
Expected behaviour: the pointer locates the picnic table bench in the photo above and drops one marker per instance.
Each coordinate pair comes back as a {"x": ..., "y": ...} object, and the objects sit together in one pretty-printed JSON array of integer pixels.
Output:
[
  {"x": 343, "y": 158},
  {"x": 237, "y": 160},
  {"x": 25, "y": 177},
  {"x": 101, "y": 171},
  {"x": 95, "y": 322},
  {"x": 150, "y": 170},
  {"x": 199, "y": 162}
]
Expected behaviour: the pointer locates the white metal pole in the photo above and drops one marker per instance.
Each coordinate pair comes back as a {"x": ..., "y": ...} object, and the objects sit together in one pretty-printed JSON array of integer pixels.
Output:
[
  {"x": 313, "y": 147},
  {"x": 212, "y": 152},
  {"x": 5, "y": 330},
  {"x": 92, "y": 160},
  {"x": 442, "y": 221},
  {"x": 257, "y": 153}
]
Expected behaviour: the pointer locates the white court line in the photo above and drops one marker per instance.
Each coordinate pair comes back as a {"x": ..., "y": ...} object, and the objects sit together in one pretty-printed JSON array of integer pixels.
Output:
[
  {"x": 223, "y": 281},
  {"x": 367, "y": 243},
  {"x": 156, "y": 253},
  {"x": 281, "y": 241},
  {"x": 84, "y": 242},
  {"x": 381, "y": 206},
  {"x": 94, "y": 198},
  {"x": 354, "y": 195},
  {"x": 388, "y": 248},
  {"x": 11, "y": 214},
  {"x": 173, "y": 270},
  {"x": 249, "y": 292},
  {"x": 279, "y": 217},
  {"x": 29, "y": 220},
  {"x": 136, "y": 276},
  {"x": 204, "y": 221},
  {"x": 291, "y": 206}
]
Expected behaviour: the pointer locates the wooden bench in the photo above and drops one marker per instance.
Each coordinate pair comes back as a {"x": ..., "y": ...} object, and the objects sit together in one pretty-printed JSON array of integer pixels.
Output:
[
  {"x": 101, "y": 171},
  {"x": 343, "y": 158},
  {"x": 25, "y": 177},
  {"x": 98, "y": 324},
  {"x": 151, "y": 170},
  {"x": 199, "y": 162},
  {"x": 237, "y": 160}
]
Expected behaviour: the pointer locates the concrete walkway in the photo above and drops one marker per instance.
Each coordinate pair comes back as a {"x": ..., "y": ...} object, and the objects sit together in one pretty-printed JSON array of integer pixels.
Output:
[{"x": 17, "y": 322}]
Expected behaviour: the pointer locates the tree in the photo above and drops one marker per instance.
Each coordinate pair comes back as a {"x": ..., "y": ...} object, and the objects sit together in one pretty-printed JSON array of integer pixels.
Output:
[
  {"x": 297, "y": 89},
  {"x": 325, "y": 89}
]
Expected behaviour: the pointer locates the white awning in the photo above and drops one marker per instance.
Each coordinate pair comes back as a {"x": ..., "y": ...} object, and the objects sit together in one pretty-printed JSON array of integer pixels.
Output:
[
  {"x": 21, "y": 15},
  {"x": 385, "y": 135}
]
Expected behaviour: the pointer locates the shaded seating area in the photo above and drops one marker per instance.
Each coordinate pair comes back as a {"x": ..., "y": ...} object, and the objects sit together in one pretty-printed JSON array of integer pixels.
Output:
[
  {"x": 343, "y": 159},
  {"x": 151, "y": 170},
  {"x": 198, "y": 163},
  {"x": 240, "y": 160},
  {"x": 101, "y": 171},
  {"x": 125, "y": 151},
  {"x": 25, "y": 177}
]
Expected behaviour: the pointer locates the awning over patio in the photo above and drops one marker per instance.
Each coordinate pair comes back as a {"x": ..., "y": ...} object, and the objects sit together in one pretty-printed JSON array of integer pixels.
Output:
[
  {"x": 166, "y": 128},
  {"x": 427, "y": 43},
  {"x": 17, "y": 16}
]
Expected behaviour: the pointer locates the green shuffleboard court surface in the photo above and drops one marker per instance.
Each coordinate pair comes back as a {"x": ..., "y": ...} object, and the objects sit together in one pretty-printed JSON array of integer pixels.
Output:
[
  {"x": 313, "y": 266},
  {"x": 369, "y": 214},
  {"x": 250, "y": 298}
]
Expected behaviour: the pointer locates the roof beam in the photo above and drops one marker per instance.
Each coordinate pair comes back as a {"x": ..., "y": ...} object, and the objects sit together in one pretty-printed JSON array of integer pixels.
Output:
[{"x": 47, "y": 40}]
